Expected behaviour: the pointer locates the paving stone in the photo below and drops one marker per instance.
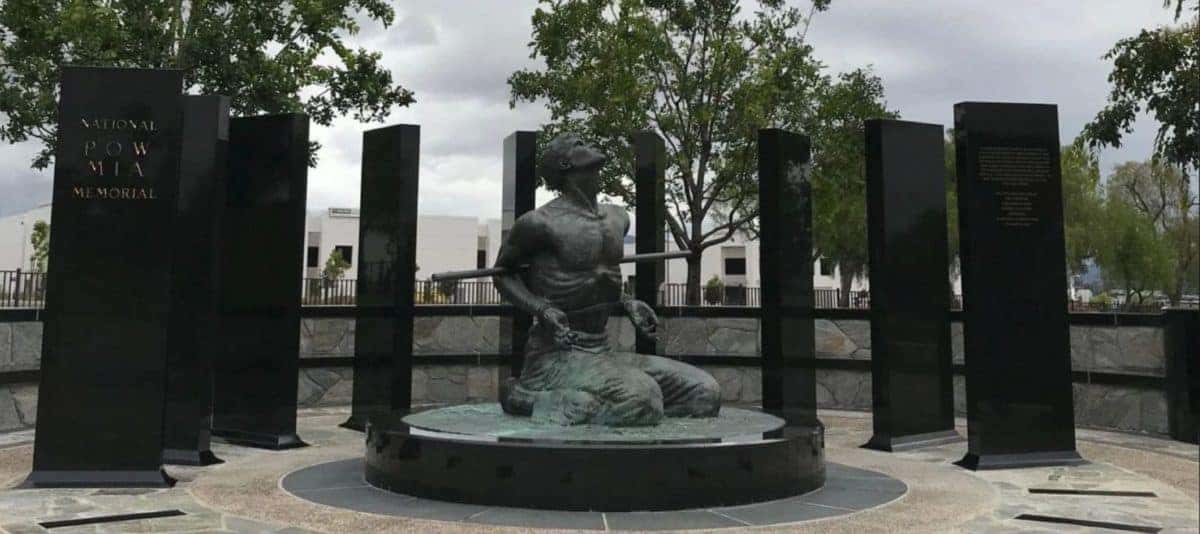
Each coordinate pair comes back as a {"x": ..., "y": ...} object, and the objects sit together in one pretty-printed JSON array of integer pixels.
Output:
[
  {"x": 341, "y": 474},
  {"x": 307, "y": 391},
  {"x": 517, "y": 517},
  {"x": 685, "y": 519},
  {"x": 26, "y": 344},
  {"x": 10, "y": 418},
  {"x": 730, "y": 380},
  {"x": 686, "y": 335},
  {"x": 340, "y": 394},
  {"x": 957, "y": 350},
  {"x": 1141, "y": 350},
  {"x": 249, "y": 526},
  {"x": 733, "y": 336},
  {"x": 423, "y": 333},
  {"x": 858, "y": 331},
  {"x": 6, "y": 355},
  {"x": 482, "y": 383},
  {"x": 782, "y": 511},
  {"x": 831, "y": 342},
  {"x": 843, "y": 390}
]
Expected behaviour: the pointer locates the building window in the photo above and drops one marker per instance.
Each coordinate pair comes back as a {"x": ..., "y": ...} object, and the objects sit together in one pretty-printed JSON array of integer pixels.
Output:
[
  {"x": 480, "y": 259},
  {"x": 313, "y": 257},
  {"x": 826, "y": 267},
  {"x": 347, "y": 253},
  {"x": 735, "y": 266}
]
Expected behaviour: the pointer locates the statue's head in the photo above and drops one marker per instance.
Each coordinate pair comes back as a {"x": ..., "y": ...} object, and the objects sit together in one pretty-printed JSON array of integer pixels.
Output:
[{"x": 567, "y": 158}]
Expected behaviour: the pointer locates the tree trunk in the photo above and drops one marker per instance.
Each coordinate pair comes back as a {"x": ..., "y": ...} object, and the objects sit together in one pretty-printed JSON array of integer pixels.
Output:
[
  {"x": 847, "y": 281},
  {"x": 693, "y": 280}
]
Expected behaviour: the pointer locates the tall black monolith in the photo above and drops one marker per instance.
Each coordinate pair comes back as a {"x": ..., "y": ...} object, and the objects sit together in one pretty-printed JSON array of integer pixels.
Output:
[
  {"x": 786, "y": 266},
  {"x": 520, "y": 186},
  {"x": 1014, "y": 273},
  {"x": 195, "y": 319},
  {"x": 387, "y": 256},
  {"x": 650, "y": 164},
  {"x": 109, "y": 282},
  {"x": 911, "y": 365},
  {"x": 257, "y": 368}
]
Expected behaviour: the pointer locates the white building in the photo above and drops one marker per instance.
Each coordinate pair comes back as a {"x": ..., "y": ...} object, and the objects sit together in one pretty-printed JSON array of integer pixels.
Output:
[
  {"x": 452, "y": 243},
  {"x": 15, "y": 249}
]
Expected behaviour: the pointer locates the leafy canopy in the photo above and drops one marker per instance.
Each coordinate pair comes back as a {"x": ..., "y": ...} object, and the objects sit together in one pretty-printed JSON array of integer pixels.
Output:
[
  {"x": 1157, "y": 71},
  {"x": 705, "y": 76},
  {"x": 269, "y": 56}
]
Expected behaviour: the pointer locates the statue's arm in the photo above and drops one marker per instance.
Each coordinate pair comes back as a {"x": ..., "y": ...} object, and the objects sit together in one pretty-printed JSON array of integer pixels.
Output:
[{"x": 516, "y": 251}]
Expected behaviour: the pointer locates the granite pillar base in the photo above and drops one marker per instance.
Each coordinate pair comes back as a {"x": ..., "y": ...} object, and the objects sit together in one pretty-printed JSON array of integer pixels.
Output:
[
  {"x": 356, "y": 422},
  {"x": 985, "y": 462},
  {"x": 190, "y": 457},
  {"x": 881, "y": 442},
  {"x": 147, "y": 478},
  {"x": 275, "y": 442}
]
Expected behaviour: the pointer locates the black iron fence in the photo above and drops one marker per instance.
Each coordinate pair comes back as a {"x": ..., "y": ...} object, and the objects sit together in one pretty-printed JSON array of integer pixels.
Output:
[{"x": 22, "y": 289}]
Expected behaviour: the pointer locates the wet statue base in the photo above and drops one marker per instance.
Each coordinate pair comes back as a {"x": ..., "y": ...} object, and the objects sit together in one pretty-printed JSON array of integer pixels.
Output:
[{"x": 476, "y": 454}]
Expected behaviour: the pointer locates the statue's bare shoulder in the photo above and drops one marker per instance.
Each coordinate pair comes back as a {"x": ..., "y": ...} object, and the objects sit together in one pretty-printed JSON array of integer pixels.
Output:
[{"x": 618, "y": 213}]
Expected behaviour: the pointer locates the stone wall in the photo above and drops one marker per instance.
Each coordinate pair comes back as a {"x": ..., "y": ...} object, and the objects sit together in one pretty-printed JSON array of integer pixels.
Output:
[{"x": 1135, "y": 350}]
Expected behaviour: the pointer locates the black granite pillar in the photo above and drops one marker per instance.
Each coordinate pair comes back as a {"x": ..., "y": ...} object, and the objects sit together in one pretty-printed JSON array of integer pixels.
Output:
[
  {"x": 911, "y": 366},
  {"x": 109, "y": 285},
  {"x": 1015, "y": 331},
  {"x": 387, "y": 256},
  {"x": 520, "y": 184},
  {"x": 650, "y": 164},
  {"x": 786, "y": 267},
  {"x": 1182, "y": 344},
  {"x": 195, "y": 321},
  {"x": 261, "y": 266}
]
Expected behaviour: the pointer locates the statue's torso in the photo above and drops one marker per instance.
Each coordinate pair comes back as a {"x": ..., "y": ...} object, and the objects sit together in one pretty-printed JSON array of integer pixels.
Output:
[{"x": 578, "y": 265}]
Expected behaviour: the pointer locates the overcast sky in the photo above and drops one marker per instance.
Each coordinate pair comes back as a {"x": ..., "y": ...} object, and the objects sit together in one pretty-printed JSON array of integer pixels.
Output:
[{"x": 456, "y": 56}]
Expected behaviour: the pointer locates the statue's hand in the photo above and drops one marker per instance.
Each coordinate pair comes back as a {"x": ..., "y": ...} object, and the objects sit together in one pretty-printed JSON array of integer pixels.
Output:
[
  {"x": 556, "y": 319},
  {"x": 643, "y": 317}
]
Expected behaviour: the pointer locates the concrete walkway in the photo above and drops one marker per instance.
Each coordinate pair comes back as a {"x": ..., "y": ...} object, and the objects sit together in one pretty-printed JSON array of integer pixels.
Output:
[{"x": 244, "y": 495}]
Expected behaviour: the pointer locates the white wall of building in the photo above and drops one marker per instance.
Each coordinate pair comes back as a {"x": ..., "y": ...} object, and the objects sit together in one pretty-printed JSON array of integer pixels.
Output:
[
  {"x": 15, "y": 248},
  {"x": 445, "y": 243}
]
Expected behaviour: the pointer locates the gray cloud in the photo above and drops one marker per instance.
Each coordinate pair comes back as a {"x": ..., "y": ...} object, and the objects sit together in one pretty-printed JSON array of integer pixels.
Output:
[{"x": 457, "y": 56}]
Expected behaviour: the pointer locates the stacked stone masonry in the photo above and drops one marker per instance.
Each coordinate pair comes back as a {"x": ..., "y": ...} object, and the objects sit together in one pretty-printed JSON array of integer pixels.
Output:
[{"x": 1133, "y": 350}]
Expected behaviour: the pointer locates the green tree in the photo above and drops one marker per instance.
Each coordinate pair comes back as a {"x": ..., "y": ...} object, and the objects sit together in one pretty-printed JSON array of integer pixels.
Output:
[
  {"x": 1158, "y": 71},
  {"x": 706, "y": 78},
  {"x": 1160, "y": 193},
  {"x": 268, "y": 56},
  {"x": 1132, "y": 255},
  {"x": 1083, "y": 198},
  {"x": 839, "y": 172},
  {"x": 335, "y": 267},
  {"x": 39, "y": 238}
]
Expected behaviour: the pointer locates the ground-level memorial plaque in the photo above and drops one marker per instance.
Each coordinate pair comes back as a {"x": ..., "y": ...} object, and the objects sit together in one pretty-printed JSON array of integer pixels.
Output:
[
  {"x": 255, "y": 381},
  {"x": 387, "y": 248},
  {"x": 1017, "y": 347},
  {"x": 911, "y": 368},
  {"x": 195, "y": 320},
  {"x": 109, "y": 287}
]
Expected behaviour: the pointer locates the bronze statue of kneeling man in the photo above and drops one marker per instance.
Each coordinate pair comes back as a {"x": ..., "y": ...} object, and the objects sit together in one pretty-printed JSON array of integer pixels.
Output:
[{"x": 570, "y": 248}]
